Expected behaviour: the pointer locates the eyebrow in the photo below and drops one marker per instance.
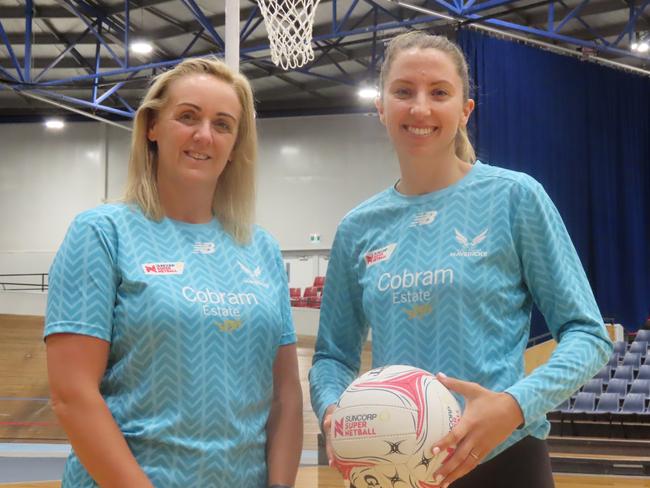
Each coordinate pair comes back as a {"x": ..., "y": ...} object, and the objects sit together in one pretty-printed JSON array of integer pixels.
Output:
[
  {"x": 198, "y": 109},
  {"x": 437, "y": 82}
]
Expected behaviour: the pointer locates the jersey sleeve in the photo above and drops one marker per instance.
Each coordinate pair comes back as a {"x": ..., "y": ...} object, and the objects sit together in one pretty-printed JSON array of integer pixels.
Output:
[
  {"x": 553, "y": 273},
  {"x": 342, "y": 330},
  {"x": 83, "y": 280},
  {"x": 288, "y": 329}
]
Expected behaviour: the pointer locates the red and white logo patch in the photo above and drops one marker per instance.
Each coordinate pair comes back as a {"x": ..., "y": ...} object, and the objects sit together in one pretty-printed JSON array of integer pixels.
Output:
[
  {"x": 163, "y": 268},
  {"x": 379, "y": 255}
]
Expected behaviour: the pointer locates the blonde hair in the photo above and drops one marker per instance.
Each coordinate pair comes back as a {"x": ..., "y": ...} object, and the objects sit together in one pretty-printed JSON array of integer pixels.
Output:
[
  {"x": 423, "y": 40},
  {"x": 234, "y": 197}
]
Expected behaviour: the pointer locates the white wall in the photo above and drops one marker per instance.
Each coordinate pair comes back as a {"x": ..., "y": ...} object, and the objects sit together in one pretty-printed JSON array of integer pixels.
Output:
[
  {"x": 312, "y": 170},
  {"x": 118, "y": 148},
  {"x": 45, "y": 179}
]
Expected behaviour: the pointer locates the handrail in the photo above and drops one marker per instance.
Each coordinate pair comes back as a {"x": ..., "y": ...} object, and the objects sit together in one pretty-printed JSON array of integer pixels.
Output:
[
  {"x": 42, "y": 286},
  {"x": 540, "y": 338}
]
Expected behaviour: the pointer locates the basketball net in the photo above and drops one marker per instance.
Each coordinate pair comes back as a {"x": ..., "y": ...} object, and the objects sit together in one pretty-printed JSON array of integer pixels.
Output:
[{"x": 289, "y": 24}]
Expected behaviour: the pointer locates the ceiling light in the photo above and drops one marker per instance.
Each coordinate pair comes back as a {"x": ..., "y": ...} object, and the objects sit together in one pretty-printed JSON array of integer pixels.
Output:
[
  {"x": 54, "y": 124},
  {"x": 634, "y": 46},
  {"x": 141, "y": 47},
  {"x": 367, "y": 93},
  {"x": 289, "y": 150},
  {"x": 643, "y": 47}
]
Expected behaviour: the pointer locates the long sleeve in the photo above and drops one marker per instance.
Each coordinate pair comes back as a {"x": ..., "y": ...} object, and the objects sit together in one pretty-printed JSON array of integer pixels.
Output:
[
  {"x": 557, "y": 282},
  {"x": 342, "y": 330}
]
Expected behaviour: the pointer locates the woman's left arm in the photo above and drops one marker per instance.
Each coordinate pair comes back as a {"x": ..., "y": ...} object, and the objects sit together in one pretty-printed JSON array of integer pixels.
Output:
[
  {"x": 284, "y": 427},
  {"x": 553, "y": 273}
]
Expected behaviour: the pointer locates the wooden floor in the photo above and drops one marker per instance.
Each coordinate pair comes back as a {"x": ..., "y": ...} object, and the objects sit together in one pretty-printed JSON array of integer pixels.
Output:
[
  {"x": 26, "y": 416},
  {"x": 320, "y": 477}
]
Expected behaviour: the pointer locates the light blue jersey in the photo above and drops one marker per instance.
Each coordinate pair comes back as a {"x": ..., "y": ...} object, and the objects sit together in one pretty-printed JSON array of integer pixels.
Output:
[
  {"x": 194, "y": 322},
  {"x": 447, "y": 281}
]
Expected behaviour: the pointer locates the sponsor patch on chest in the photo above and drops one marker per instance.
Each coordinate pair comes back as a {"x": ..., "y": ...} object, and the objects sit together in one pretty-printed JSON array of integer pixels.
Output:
[
  {"x": 163, "y": 268},
  {"x": 379, "y": 255}
]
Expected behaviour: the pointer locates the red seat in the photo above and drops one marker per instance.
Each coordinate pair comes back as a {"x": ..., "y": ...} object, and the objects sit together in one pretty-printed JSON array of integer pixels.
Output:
[
  {"x": 309, "y": 295},
  {"x": 314, "y": 302},
  {"x": 294, "y": 297},
  {"x": 319, "y": 281},
  {"x": 310, "y": 291}
]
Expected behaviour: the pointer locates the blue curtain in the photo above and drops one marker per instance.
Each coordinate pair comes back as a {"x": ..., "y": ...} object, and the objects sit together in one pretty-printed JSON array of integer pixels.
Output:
[{"x": 583, "y": 131}]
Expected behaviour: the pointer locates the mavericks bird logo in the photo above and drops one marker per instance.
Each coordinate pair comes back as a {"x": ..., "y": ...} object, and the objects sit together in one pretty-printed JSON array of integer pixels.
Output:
[
  {"x": 468, "y": 248},
  {"x": 464, "y": 241},
  {"x": 253, "y": 276}
]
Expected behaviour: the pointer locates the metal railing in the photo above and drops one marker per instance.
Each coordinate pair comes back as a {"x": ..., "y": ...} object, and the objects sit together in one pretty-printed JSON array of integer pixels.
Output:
[{"x": 38, "y": 284}]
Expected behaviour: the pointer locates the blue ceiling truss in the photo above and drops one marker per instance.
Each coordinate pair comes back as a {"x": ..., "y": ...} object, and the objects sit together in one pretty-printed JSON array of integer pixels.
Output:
[{"x": 367, "y": 20}]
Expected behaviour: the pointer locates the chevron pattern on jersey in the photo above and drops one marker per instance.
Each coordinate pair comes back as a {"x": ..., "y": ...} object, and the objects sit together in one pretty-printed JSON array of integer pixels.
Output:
[
  {"x": 189, "y": 379},
  {"x": 455, "y": 292}
]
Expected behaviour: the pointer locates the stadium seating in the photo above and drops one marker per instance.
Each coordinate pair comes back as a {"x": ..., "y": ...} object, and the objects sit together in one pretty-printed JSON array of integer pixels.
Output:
[
  {"x": 585, "y": 403},
  {"x": 639, "y": 347},
  {"x": 634, "y": 403},
  {"x": 644, "y": 372},
  {"x": 624, "y": 372},
  {"x": 620, "y": 347},
  {"x": 632, "y": 359},
  {"x": 594, "y": 385},
  {"x": 608, "y": 403},
  {"x": 643, "y": 335},
  {"x": 641, "y": 386},
  {"x": 294, "y": 296},
  {"x": 617, "y": 387}
]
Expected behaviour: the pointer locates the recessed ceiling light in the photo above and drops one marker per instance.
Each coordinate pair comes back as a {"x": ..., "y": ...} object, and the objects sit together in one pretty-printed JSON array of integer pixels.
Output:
[
  {"x": 55, "y": 124},
  {"x": 368, "y": 93},
  {"x": 141, "y": 47}
]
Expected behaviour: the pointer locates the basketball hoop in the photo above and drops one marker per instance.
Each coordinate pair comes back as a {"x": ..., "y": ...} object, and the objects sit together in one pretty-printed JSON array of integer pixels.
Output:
[{"x": 289, "y": 24}]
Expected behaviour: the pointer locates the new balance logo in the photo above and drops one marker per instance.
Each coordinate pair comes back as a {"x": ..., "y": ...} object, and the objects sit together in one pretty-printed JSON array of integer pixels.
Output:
[
  {"x": 203, "y": 248},
  {"x": 424, "y": 218},
  {"x": 468, "y": 248},
  {"x": 253, "y": 276}
]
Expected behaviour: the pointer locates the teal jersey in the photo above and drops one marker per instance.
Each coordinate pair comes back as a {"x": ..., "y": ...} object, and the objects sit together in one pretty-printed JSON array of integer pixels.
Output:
[
  {"x": 447, "y": 282},
  {"x": 194, "y": 321}
]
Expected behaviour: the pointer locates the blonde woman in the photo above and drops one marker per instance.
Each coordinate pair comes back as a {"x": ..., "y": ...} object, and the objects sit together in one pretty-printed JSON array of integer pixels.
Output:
[
  {"x": 170, "y": 346},
  {"x": 445, "y": 267}
]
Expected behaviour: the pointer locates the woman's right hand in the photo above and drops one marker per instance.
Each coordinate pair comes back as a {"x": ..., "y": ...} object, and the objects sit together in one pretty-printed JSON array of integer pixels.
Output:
[{"x": 327, "y": 429}]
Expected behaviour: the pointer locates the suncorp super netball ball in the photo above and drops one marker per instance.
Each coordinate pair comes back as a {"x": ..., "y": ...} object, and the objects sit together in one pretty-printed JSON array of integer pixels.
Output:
[{"x": 385, "y": 425}]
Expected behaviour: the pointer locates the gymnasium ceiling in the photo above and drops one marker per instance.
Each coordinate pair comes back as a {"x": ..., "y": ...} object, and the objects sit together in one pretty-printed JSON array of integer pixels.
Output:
[{"x": 72, "y": 52}]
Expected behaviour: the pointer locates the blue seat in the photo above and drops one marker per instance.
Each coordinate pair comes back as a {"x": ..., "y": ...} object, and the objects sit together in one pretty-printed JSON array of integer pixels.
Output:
[
  {"x": 624, "y": 372},
  {"x": 618, "y": 387},
  {"x": 634, "y": 403},
  {"x": 604, "y": 374},
  {"x": 608, "y": 403},
  {"x": 632, "y": 359},
  {"x": 644, "y": 372},
  {"x": 585, "y": 403},
  {"x": 640, "y": 347},
  {"x": 641, "y": 386},
  {"x": 594, "y": 385},
  {"x": 613, "y": 360},
  {"x": 620, "y": 347},
  {"x": 642, "y": 335}
]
